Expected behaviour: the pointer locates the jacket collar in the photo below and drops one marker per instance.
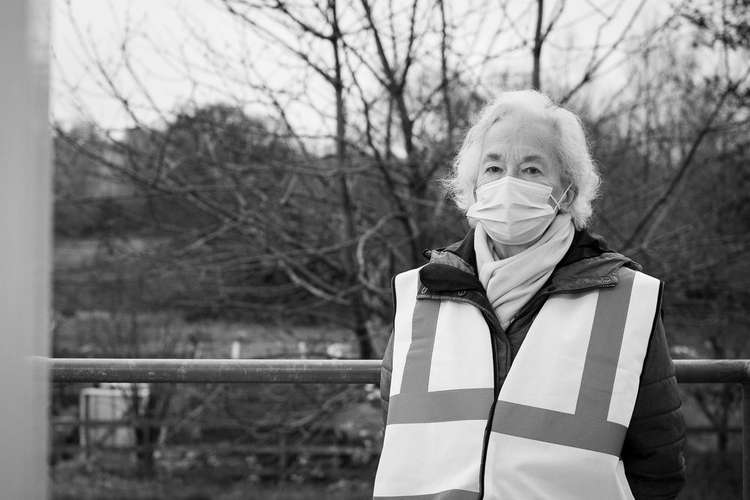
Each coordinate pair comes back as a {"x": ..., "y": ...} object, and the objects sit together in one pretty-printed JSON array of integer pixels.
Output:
[{"x": 588, "y": 263}]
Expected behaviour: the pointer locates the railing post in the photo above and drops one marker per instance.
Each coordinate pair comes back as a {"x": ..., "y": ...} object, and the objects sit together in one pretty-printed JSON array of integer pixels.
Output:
[
  {"x": 25, "y": 253},
  {"x": 746, "y": 441}
]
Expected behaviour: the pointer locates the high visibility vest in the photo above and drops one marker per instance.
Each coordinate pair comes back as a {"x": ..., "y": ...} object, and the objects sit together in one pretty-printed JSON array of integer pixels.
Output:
[{"x": 556, "y": 428}]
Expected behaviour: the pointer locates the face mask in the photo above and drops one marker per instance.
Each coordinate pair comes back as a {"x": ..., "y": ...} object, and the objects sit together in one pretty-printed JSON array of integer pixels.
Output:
[{"x": 513, "y": 211}]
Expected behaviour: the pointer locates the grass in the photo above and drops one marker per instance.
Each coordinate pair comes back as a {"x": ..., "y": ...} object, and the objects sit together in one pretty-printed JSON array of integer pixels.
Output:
[
  {"x": 710, "y": 476},
  {"x": 77, "y": 480}
]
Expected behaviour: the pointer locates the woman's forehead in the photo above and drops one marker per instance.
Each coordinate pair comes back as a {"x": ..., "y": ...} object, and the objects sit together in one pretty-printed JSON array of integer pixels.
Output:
[{"x": 520, "y": 135}]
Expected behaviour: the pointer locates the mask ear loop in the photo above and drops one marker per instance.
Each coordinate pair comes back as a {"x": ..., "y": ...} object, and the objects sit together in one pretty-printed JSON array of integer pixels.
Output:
[{"x": 562, "y": 196}]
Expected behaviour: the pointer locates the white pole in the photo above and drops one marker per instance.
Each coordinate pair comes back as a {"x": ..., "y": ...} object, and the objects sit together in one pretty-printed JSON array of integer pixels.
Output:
[{"x": 25, "y": 208}]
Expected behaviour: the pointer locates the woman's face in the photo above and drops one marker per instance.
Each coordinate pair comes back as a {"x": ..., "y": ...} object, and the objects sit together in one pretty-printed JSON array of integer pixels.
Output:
[{"x": 522, "y": 147}]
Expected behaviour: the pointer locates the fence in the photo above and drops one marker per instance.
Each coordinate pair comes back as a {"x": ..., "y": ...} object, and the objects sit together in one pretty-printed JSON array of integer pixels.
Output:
[{"x": 723, "y": 371}]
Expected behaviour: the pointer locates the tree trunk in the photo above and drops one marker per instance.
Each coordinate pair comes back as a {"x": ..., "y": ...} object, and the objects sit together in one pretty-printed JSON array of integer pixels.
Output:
[
  {"x": 536, "y": 82},
  {"x": 349, "y": 230}
]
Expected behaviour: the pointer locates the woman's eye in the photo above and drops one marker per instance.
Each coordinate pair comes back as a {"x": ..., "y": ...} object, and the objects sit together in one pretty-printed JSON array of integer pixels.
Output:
[
  {"x": 493, "y": 169},
  {"x": 532, "y": 170}
]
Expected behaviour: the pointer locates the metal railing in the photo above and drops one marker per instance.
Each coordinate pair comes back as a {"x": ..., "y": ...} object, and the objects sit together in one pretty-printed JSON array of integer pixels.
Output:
[{"x": 70, "y": 370}]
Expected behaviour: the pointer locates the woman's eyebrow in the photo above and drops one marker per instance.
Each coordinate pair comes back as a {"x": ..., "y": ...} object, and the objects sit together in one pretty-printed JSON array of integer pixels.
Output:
[
  {"x": 492, "y": 157},
  {"x": 530, "y": 158}
]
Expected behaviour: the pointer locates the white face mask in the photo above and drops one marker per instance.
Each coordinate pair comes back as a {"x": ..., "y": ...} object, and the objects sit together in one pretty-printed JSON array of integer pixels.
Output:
[{"x": 513, "y": 211}]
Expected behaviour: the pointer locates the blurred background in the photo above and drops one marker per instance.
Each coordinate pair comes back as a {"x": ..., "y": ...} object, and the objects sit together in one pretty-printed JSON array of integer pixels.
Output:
[{"x": 242, "y": 178}]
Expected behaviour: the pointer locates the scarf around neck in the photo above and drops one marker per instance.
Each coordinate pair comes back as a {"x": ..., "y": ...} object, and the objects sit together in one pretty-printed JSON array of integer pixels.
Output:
[{"x": 512, "y": 281}]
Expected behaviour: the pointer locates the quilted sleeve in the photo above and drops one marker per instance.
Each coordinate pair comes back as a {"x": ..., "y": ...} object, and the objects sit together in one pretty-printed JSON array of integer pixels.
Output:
[{"x": 653, "y": 450}]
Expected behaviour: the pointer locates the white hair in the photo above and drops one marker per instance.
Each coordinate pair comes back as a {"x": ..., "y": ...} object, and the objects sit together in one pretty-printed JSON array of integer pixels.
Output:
[{"x": 577, "y": 166}]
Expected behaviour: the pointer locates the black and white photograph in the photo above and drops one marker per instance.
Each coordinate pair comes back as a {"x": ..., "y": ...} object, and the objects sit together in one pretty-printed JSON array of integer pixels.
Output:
[{"x": 375, "y": 249}]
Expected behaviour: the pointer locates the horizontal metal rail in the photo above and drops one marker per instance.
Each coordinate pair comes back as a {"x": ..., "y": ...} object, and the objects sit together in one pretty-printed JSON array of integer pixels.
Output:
[
  {"x": 355, "y": 371},
  {"x": 351, "y": 371}
]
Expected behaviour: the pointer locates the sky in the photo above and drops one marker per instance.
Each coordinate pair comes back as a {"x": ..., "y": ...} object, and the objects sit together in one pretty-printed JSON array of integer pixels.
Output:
[{"x": 183, "y": 53}]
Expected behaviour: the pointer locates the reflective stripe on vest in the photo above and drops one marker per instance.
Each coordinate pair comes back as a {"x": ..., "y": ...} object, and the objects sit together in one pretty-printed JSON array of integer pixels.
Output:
[
  {"x": 562, "y": 412},
  {"x": 441, "y": 394}
]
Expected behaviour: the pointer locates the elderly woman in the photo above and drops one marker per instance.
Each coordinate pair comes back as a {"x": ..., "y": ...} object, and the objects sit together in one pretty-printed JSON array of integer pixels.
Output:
[{"x": 528, "y": 361}]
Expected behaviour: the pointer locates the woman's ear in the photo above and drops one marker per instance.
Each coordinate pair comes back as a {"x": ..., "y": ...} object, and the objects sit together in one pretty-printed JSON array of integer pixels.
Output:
[{"x": 569, "y": 198}]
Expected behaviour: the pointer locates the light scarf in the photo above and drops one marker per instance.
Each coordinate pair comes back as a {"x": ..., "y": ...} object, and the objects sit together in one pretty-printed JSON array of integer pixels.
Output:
[{"x": 512, "y": 281}]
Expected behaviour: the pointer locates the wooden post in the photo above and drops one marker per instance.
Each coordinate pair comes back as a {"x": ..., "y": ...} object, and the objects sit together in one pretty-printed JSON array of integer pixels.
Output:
[{"x": 25, "y": 208}]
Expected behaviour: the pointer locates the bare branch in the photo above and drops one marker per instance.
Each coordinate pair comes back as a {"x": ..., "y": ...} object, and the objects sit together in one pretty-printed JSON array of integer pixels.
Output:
[{"x": 658, "y": 211}]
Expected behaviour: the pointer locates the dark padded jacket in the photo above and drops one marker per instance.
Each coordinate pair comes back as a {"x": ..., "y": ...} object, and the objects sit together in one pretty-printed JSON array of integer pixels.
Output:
[{"x": 653, "y": 449}]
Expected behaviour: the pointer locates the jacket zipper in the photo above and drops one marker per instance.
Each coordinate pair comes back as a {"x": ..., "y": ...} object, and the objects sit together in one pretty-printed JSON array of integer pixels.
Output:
[{"x": 495, "y": 336}]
